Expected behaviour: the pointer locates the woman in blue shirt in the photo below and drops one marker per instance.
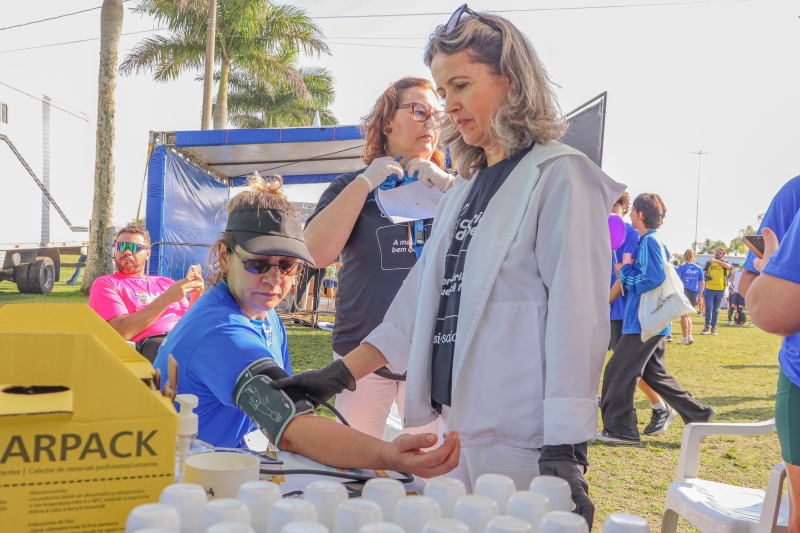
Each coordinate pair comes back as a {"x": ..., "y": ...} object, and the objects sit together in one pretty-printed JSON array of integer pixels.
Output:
[
  {"x": 691, "y": 275},
  {"x": 633, "y": 358},
  {"x": 772, "y": 301},
  {"x": 233, "y": 332}
]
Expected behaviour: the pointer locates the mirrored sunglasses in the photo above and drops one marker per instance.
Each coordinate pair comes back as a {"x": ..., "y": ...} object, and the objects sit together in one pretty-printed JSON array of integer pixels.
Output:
[
  {"x": 132, "y": 247},
  {"x": 260, "y": 266}
]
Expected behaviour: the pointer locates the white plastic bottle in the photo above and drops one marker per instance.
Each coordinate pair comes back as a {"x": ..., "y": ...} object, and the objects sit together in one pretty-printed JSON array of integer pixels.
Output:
[{"x": 188, "y": 443}]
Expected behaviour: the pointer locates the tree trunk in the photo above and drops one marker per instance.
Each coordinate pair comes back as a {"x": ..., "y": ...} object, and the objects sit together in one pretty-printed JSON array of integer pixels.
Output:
[
  {"x": 101, "y": 233},
  {"x": 221, "y": 105}
]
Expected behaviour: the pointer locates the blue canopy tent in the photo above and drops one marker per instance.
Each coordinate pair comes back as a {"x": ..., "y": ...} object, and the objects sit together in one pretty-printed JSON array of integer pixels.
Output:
[{"x": 191, "y": 174}]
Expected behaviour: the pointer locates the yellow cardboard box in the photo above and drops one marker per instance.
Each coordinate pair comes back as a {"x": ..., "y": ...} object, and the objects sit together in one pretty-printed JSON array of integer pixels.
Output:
[{"x": 83, "y": 437}]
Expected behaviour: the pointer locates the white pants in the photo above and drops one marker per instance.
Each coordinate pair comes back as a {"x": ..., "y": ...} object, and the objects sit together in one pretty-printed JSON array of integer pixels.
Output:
[
  {"x": 367, "y": 408},
  {"x": 520, "y": 464}
]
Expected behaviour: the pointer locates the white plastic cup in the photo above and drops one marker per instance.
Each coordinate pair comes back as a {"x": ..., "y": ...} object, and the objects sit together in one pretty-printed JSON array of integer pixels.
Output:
[
  {"x": 381, "y": 527},
  {"x": 508, "y": 524},
  {"x": 259, "y": 496},
  {"x": 625, "y": 523},
  {"x": 353, "y": 514},
  {"x": 304, "y": 527},
  {"x": 326, "y": 497},
  {"x": 446, "y": 491},
  {"x": 153, "y": 515},
  {"x": 221, "y": 473},
  {"x": 530, "y": 506},
  {"x": 230, "y": 527},
  {"x": 563, "y": 522},
  {"x": 287, "y": 511},
  {"x": 476, "y": 511},
  {"x": 413, "y": 512},
  {"x": 497, "y": 487},
  {"x": 445, "y": 525},
  {"x": 387, "y": 493},
  {"x": 224, "y": 510},
  {"x": 189, "y": 500},
  {"x": 557, "y": 491}
]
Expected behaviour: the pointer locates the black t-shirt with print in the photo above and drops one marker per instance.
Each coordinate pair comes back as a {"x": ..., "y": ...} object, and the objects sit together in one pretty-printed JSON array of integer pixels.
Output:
[
  {"x": 376, "y": 260},
  {"x": 487, "y": 183}
]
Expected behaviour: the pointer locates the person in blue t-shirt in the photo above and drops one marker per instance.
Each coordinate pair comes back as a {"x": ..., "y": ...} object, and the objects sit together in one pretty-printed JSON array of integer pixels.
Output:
[
  {"x": 693, "y": 279},
  {"x": 232, "y": 345},
  {"x": 633, "y": 358},
  {"x": 772, "y": 300}
]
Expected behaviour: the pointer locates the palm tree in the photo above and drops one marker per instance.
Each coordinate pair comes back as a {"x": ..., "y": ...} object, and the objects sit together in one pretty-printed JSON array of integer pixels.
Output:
[
  {"x": 251, "y": 35},
  {"x": 101, "y": 231},
  {"x": 255, "y": 104}
]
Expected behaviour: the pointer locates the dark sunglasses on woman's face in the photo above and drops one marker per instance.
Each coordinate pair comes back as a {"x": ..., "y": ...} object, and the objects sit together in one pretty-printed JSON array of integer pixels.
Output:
[
  {"x": 261, "y": 266},
  {"x": 132, "y": 247},
  {"x": 421, "y": 112},
  {"x": 455, "y": 18}
]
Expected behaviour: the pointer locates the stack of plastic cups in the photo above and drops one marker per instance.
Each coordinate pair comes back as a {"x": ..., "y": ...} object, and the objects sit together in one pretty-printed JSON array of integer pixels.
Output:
[
  {"x": 530, "y": 506},
  {"x": 556, "y": 490},
  {"x": 224, "y": 510},
  {"x": 188, "y": 499},
  {"x": 476, "y": 511},
  {"x": 153, "y": 515},
  {"x": 259, "y": 496},
  {"x": 563, "y": 522},
  {"x": 387, "y": 493},
  {"x": 326, "y": 497},
  {"x": 230, "y": 527},
  {"x": 304, "y": 527},
  {"x": 625, "y": 523},
  {"x": 353, "y": 514},
  {"x": 497, "y": 487},
  {"x": 413, "y": 512},
  {"x": 285, "y": 512},
  {"x": 446, "y": 491},
  {"x": 381, "y": 527},
  {"x": 445, "y": 525}
]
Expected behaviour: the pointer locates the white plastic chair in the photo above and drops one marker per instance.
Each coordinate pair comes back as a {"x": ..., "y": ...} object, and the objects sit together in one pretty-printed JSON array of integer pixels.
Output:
[{"x": 715, "y": 507}]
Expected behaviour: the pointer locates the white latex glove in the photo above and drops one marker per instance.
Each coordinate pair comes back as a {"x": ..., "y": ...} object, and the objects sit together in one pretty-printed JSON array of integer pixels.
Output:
[
  {"x": 380, "y": 169},
  {"x": 429, "y": 174}
]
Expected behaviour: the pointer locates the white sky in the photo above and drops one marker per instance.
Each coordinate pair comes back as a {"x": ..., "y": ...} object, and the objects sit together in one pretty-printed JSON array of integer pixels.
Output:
[{"x": 720, "y": 77}]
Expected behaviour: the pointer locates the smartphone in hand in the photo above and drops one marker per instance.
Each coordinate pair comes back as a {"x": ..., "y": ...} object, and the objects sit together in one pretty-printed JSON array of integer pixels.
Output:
[{"x": 755, "y": 243}]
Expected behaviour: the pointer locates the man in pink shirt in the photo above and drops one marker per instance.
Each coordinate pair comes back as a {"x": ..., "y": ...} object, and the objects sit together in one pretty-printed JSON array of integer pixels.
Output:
[{"x": 139, "y": 306}]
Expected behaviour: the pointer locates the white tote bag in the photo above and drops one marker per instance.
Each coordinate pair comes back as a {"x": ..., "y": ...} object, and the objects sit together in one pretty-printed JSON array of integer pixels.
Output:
[{"x": 660, "y": 306}]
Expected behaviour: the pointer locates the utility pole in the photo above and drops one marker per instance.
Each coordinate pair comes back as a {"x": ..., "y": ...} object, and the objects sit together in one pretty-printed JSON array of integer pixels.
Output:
[
  {"x": 700, "y": 154},
  {"x": 208, "y": 82}
]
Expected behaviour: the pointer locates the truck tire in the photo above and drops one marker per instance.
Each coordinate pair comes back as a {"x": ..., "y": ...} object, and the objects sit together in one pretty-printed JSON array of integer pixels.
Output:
[
  {"x": 42, "y": 276},
  {"x": 21, "y": 278}
]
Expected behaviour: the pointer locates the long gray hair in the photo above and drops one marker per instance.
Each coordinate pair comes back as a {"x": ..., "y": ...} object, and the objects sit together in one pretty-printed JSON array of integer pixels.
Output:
[{"x": 530, "y": 112}]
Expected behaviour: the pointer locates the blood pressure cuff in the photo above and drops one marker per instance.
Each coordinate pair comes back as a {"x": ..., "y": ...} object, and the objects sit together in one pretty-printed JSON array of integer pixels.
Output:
[{"x": 270, "y": 409}]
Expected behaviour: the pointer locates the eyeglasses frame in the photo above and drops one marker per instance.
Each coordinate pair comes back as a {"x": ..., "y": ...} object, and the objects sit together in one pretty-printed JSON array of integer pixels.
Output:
[
  {"x": 141, "y": 246},
  {"x": 429, "y": 110}
]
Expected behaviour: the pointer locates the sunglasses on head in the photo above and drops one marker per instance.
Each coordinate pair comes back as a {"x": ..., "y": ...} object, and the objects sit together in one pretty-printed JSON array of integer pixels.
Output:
[
  {"x": 455, "y": 18},
  {"x": 260, "y": 266},
  {"x": 421, "y": 112},
  {"x": 132, "y": 247}
]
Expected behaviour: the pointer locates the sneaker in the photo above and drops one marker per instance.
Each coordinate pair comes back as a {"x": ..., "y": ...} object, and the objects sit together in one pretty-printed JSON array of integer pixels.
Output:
[
  {"x": 700, "y": 313},
  {"x": 730, "y": 323},
  {"x": 691, "y": 339},
  {"x": 613, "y": 438},
  {"x": 685, "y": 340},
  {"x": 669, "y": 338},
  {"x": 706, "y": 331},
  {"x": 714, "y": 331},
  {"x": 660, "y": 421}
]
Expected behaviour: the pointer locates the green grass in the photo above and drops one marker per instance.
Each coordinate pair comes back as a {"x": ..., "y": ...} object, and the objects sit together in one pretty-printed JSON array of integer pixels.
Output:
[
  {"x": 736, "y": 372},
  {"x": 62, "y": 293}
]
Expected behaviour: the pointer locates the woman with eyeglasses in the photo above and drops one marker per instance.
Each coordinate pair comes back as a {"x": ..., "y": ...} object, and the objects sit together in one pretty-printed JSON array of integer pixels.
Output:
[
  {"x": 401, "y": 137},
  {"x": 502, "y": 325},
  {"x": 233, "y": 335}
]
